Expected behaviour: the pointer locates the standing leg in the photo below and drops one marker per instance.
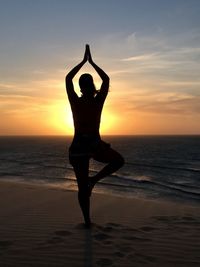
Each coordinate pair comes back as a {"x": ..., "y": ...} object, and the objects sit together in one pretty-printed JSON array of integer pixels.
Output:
[{"x": 81, "y": 169}]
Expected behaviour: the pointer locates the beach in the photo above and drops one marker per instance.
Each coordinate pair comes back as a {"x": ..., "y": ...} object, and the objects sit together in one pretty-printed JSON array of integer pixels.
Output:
[{"x": 43, "y": 226}]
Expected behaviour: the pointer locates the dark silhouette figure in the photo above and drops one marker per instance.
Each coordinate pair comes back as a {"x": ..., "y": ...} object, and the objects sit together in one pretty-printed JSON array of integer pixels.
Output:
[{"x": 87, "y": 142}]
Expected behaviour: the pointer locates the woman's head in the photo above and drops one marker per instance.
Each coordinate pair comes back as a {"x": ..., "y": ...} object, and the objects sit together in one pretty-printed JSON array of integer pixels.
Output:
[{"x": 87, "y": 86}]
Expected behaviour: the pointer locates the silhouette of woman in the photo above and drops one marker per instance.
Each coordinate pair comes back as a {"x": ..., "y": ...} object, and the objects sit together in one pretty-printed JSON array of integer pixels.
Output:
[{"x": 87, "y": 142}]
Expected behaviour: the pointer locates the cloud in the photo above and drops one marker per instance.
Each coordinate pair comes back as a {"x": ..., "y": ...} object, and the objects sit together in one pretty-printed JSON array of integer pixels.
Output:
[
  {"x": 152, "y": 54},
  {"x": 141, "y": 57},
  {"x": 36, "y": 88},
  {"x": 160, "y": 103}
]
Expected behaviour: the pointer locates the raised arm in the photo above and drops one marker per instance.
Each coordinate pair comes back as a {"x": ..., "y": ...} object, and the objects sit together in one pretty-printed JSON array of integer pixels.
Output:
[
  {"x": 105, "y": 78},
  {"x": 69, "y": 83}
]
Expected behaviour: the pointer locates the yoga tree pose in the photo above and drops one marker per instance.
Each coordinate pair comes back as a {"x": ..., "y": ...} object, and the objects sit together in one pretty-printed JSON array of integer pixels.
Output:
[{"x": 87, "y": 142}]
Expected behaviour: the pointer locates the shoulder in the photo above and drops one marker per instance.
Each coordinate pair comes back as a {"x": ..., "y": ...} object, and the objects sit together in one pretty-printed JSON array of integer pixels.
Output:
[
  {"x": 74, "y": 99},
  {"x": 102, "y": 93}
]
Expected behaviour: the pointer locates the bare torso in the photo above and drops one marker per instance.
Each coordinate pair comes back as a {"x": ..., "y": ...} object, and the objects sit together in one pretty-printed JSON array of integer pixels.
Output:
[{"x": 87, "y": 115}]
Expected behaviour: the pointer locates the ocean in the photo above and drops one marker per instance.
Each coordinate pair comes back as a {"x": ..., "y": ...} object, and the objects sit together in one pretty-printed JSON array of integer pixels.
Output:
[{"x": 156, "y": 167}]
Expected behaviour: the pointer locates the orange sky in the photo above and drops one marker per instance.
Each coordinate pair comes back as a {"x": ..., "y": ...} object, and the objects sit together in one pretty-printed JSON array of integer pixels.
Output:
[{"x": 47, "y": 111}]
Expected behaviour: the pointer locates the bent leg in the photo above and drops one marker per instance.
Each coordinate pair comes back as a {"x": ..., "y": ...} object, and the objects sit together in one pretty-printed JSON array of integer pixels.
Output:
[
  {"x": 114, "y": 160},
  {"x": 81, "y": 168}
]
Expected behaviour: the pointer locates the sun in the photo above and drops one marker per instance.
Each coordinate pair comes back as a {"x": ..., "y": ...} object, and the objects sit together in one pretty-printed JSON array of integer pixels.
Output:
[
  {"x": 61, "y": 120},
  {"x": 108, "y": 122}
]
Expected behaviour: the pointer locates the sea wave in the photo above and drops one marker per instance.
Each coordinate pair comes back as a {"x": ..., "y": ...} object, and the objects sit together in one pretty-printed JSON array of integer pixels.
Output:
[
  {"x": 117, "y": 184},
  {"x": 164, "y": 167}
]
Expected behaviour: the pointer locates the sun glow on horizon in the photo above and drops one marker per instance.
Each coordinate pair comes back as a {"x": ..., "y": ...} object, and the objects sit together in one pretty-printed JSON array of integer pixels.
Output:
[
  {"x": 61, "y": 119},
  {"x": 108, "y": 122}
]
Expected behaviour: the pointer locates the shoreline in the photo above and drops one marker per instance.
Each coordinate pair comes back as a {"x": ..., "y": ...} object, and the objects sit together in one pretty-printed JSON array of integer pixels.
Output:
[
  {"x": 127, "y": 195},
  {"x": 41, "y": 226}
]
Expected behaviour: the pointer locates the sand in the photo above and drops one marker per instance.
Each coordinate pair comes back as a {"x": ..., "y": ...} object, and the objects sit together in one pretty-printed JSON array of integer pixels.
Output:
[{"x": 40, "y": 226}]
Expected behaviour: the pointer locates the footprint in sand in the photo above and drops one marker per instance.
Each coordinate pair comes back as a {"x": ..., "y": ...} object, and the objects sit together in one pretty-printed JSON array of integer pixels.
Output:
[
  {"x": 63, "y": 233},
  {"x": 135, "y": 238},
  {"x": 108, "y": 229},
  {"x": 142, "y": 258},
  {"x": 115, "y": 225},
  {"x": 119, "y": 254},
  {"x": 59, "y": 237},
  {"x": 125, "y": 247},
  {"x": 101, "y": 236},
  {"x": 147, "y": 228},
  {"x": 104, "y": 262},
  {"x": 188, "y": 218},
  {"x": 55, "y": 240},
  {"x": 5, "y": 244},
  {"x": 161, "y": 218}
]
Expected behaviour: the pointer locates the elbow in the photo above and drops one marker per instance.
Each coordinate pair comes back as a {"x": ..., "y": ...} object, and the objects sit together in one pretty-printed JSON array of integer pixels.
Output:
[
  {"x": 68, "y": 82},
  {"x": 68, "y": 78},
  {"x": 107, "y": 79}
]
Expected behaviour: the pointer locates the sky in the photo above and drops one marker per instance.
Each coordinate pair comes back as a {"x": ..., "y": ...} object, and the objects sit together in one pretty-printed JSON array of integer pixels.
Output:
[{"x": 149, "y": 48}]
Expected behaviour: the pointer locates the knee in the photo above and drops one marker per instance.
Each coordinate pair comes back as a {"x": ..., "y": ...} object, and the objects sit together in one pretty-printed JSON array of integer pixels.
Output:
[{"x": 119, "y": 161}]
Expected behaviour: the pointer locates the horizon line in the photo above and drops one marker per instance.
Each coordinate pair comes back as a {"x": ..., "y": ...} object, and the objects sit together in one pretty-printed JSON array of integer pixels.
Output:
[{"x": 68, "y": 135}]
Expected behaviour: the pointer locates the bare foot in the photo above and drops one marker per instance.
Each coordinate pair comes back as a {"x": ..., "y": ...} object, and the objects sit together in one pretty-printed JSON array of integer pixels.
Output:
[{"x": 88, "y": 224}]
